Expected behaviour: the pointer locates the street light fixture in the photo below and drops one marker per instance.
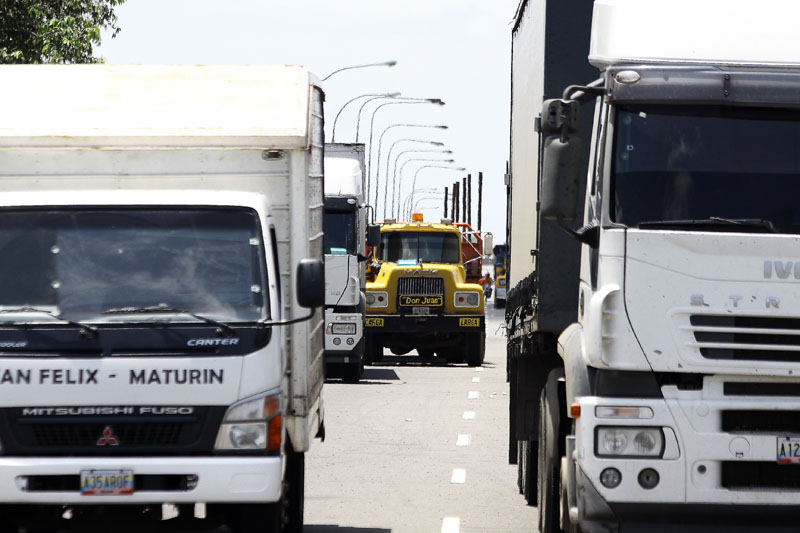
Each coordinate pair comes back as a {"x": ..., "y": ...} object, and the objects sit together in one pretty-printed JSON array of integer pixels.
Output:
[
  {"x": 400, "y": 172},
  {"x": 335, "y": 120},
  {"x": 398, "y": 141},
  {"x": 406, "y": 201},
  {"x": 383, "y": 64},
  {"x": 414, "y": 183},
  {"x": 380, "y": 140},
  {"x": 394, "y": 174}
]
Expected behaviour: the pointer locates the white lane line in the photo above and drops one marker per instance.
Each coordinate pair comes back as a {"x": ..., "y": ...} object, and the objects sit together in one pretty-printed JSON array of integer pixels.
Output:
[
  {"x": 473, "y": 395},
  {"x": 469, "y": 415},
  {"x": 476, "y": 380},
  {"x": 463, "y": 440},
  {"x": 459, "y": 475},
  {"x": 450, "y": 524},
  {"x": 479, "y": 369}
]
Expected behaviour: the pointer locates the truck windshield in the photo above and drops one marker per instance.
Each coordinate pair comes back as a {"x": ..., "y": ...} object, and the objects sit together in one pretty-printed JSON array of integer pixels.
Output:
[
  {"x": 425, "y": 247},
  {"x": 76, "y": 264},
  {"x": 340, "y": 232},
  {"x": 707, "y": 167}
]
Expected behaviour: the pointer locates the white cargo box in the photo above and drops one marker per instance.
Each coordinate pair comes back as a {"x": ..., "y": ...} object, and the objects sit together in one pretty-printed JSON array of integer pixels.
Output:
[
  {"x": 721, "y": 32},
  {"x": 252, "y": 129}
]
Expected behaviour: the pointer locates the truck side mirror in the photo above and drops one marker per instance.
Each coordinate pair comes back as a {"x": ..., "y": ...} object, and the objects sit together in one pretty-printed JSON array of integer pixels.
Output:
[
  {"x": 560, "y": 177},
  {"x": 373, "y": 235},
  {"x": 311, "y": 283},
  {"x": 488, "y": 242}
]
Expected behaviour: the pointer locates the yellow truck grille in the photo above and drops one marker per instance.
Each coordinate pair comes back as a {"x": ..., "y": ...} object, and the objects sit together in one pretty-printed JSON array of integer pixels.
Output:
[{"x": 420, "y": 286}]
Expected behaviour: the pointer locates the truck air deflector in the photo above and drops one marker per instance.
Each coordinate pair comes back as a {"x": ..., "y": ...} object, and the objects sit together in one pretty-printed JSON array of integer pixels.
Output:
[{"x": 703, "y": 85}]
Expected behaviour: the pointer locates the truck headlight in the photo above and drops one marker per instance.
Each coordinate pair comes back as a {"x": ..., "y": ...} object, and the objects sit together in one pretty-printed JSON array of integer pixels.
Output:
[
  {"x": 377, "y": 299},
  {"x": 252, "y": 424},
  {"x": 466, "y": 299},
  {"x": 629, "y": 442},
  {"x": 343, "y": 329}
]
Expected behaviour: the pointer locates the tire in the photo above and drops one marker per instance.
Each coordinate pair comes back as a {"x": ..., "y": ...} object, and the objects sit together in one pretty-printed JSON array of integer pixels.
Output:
[
  {"x": 352, "y": 373},
  {"x": 285, "y": 515},
  {"x": 550, "y": 453},
  {"x": 531, "y": 471},
  {"x": 425, "y": 353},
  {"x": 373, "y": 351},
  {"x": 475, "y": 348}
]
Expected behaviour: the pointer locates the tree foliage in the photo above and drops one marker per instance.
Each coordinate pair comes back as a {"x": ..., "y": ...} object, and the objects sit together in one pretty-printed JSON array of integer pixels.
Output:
[{"x": 54, "y": 31}]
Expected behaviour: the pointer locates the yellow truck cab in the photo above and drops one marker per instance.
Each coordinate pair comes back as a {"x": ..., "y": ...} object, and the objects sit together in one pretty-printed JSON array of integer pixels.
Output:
[{"x": 420, "y": 299}]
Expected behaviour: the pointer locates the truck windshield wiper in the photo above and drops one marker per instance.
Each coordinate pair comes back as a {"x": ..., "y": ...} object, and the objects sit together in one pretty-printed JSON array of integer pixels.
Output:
[
  {"x": 86, "y": 329},
  {"x": 752, "y": 223},
  {"x": 167, "y": 310}
]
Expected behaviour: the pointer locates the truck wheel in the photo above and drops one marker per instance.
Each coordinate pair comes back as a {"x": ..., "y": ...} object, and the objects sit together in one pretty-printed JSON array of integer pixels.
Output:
[
  {"x": 425, "y": 353},
  {"x": 373, "y": 351},
  {"x": 285, "y": 515},
  {"x": 549, "y": 497},
  {"x": 352, "y": 373},
  {"x": 475, "y": 348}
]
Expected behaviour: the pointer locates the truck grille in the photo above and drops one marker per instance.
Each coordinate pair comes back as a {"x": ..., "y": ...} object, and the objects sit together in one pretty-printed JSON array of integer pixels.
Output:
[
  {"x": 755, "y": 475},
  {"x": 82, "y": 435},
  {"x": 747, "y": 338},
  {"x": 751, "y": 421},
  {"x": 420, "y": 286}
]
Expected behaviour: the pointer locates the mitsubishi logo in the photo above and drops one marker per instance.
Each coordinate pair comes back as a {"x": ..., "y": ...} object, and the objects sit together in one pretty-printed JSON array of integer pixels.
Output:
[{"x": 108, "y": 438}]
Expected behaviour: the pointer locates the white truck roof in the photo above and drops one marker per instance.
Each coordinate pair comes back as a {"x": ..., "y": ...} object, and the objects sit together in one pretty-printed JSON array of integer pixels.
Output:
[
  {"x": 342, "y": 176},
  {"x": 715, "y": 32},
  {"x": 155, "y": 105}
]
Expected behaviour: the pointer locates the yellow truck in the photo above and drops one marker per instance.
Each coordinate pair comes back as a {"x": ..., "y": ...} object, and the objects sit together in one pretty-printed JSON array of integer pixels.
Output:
[{"x": 420, "y": 297}]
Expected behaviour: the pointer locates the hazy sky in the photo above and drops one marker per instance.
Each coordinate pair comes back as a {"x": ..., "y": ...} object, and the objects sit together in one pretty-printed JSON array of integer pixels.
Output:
[{"x": 456, "y": 50}]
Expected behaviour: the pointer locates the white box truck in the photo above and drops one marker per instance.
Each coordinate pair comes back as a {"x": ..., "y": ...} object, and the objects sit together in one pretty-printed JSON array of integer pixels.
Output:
[
  {"x": 346, "y": 226},
  {"x": 654, "y": 316},
  {"x": 160, "y": 234}
]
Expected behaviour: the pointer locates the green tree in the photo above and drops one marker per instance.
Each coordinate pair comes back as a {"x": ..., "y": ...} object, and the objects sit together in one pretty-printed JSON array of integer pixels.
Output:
[{"x": 54, "y": 31}]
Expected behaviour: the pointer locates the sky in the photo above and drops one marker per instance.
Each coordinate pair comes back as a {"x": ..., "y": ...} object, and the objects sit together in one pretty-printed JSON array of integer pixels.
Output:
[{"x": 455, "y": 50}]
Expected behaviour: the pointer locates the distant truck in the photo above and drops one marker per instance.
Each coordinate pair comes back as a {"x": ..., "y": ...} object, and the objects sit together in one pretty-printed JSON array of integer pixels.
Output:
[
  {"x": 653, "y": 321},
  {"x": 421, "y": 297},
  {"x": 500, "y": 252},
  {"x": 162, "y": 234},
  {"x": 346, "y": 228}
]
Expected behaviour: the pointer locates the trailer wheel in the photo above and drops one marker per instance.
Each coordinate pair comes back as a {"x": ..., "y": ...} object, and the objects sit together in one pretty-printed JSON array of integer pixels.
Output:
[
  {"x": 352, "y": 373},
  {"x": 550, "y": 453},
  {"x": 373, "y": 351}
]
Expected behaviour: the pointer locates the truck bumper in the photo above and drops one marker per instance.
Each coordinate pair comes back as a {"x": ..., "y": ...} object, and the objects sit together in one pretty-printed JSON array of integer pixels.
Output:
[
  {"x": 720, "y": 450},
  {"x": 342, "y": 342},
  {"x": 424, "y": 323},
  {"x": 219, "y": 479},
  {"x": 346, "y": 357}
]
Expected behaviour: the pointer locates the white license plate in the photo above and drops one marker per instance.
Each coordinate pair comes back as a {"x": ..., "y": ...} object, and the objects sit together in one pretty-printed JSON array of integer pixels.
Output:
[
  {"x": 788, "y": 450},
  {"x": 420, "y": 310},
  {"x": 106, "y": 482}
]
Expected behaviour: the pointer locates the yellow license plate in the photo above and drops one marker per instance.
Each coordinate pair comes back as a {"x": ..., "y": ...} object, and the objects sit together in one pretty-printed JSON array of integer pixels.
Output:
[
  {"x": 421, "y": 301},
  {"x": 373, "y": 322},
  {"x": 469, "y": 322}
]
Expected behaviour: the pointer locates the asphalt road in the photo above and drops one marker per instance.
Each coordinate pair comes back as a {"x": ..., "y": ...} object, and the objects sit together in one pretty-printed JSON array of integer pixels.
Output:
[{"x": 417, "y": 447}]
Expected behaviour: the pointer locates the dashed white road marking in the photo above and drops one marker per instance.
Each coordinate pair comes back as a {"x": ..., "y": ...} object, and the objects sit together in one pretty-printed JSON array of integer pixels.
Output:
[
  {"x": 473, "y": 395},
  {"x": 459, "y": 475},
  {"x": 463, "y": 440},
  {"x": 450, "y": 524},
  {"x": 469, "y": 415},
  {"x": 476, "y": 380},
  {"x": 479, "y": 369}
]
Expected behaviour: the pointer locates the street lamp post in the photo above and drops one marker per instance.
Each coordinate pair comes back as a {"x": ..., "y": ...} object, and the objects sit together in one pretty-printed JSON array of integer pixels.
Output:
[
  {"x": 396, "y": 101},
  {"x": 394, "y": 174},
  {"x": 380, "y": 140},
  {"x": 414, "y": 183},
  {"x": 400, "y": 172},
  {"x": 398, "y": 141},
  {"x": 335, "y": 120},
  {"x": 382, "y": 64}
]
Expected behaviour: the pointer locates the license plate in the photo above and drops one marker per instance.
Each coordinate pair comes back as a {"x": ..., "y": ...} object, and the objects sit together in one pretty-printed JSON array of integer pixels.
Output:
[
  {"x": 373, "y": 322},
  {"x": 106, "y": 482},
  {"x": 788, "y": 450},
  {"x": 469, "y": 322},
  {"x": 420, "y": 310},
  {"x": 421, "y": 300}
]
